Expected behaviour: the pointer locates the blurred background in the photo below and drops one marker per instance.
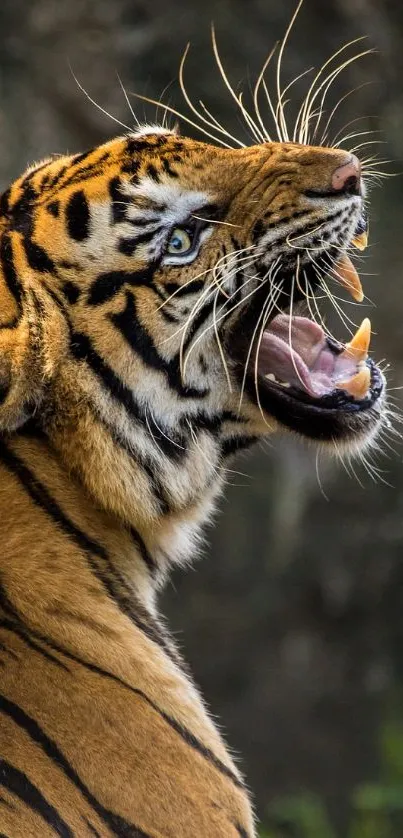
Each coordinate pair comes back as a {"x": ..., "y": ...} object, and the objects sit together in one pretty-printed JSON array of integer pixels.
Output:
[{"x": 293, "y": 621}]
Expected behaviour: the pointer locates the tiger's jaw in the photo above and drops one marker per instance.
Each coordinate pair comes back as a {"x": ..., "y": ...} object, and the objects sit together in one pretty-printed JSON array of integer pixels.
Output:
[
  {"x": 310, "y": 384},
  {"x": 323, "y": 389}
]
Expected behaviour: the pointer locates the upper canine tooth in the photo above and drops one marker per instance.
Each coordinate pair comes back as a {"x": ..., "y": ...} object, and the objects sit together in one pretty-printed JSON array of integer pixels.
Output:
[
  {"x": 358, "y": 346},
  {"x": 358, "y": 385},
  {"x": 348, "y": 277},
  {"x": 360, "y": 241}
]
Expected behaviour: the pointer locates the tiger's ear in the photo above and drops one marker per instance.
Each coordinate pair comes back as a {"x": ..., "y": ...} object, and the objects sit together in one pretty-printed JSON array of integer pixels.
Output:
[{"x": 33, "y": 339}]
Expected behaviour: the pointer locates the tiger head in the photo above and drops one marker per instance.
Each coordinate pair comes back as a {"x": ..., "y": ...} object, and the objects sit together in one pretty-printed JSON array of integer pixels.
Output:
[{"x": 158, "y": 309}]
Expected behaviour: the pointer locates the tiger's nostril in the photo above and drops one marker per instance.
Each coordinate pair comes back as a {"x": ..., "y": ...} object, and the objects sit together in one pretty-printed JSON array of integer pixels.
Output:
[{"x": 347, "y": 178}]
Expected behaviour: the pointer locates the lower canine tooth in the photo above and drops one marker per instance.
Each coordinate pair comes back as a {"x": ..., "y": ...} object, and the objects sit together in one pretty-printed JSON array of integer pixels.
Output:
[
  {"x": 348, "y": 277},
  {"x": 358, "y": 385},
  {"x": 358, "y": 346}
]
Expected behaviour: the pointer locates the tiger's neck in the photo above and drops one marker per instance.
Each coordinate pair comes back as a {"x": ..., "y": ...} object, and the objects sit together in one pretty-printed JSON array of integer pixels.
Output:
[
  {"x": 47, "y": 512},
  {"x": 104, "y": 506},
  {"x": 155, "y": 478}
]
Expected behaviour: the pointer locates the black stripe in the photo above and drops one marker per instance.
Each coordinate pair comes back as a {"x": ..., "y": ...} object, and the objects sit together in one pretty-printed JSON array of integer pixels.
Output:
[
  {"x": 172, "y": 443},
  {"x": 118, "y": 200},
  {"x": 78, "y": 174},
  {"x": 205, "y": 312},
  {"x": 106, "y": 285},
  {"x": 144, "y": 222},
  {"x": 53, "y": 208},
  {"x": 149, "y": 467},
  {"x": 37, "y": 257},
  {"x": 58, "y": 176},
  {"x": 5, "y": 202},
  {"x": 182, "y": 731},
  {"x": 118, "y": 825},
  {"x": 139, "y": 339},
  {"x": 192, "y": 287},
  {"x": 149, "y": 142},
  {"x": 205, "y": 422},
  {"x": 7, "y": 803},
  {"x": 18, "y": 783},
  {"x": 168, "y": 168},
  {"x": 185, "y": 734},
  {"x": 87, "y": 173},
  {"x": 145, "y": 555},
  {"x": 79, "y": 158},
  {"x": 83, "y": 350},
  {"x": 236, "y": 443},
  {"x": 10, "y": 652},
  {"x": 153, "y": 172},
  {"x": 258, "y": 230},
  {"x": 241, "y": 831},
  {"x": 142, "y": 460},
  {"x": 23, "y": 633},
  {"x": 129, "y": 246},
  {"x": 70, "y": 291},
  {"x": 78, "y": 216},
  {"x": 168, "y": 315},
  {"x": 30, "y": 175},
  {"x": 91, "y": 828},
  {"x": 235, "y": 243},
  {"x": 11, "y": 277},
  {"x": 114, "y": 584}
]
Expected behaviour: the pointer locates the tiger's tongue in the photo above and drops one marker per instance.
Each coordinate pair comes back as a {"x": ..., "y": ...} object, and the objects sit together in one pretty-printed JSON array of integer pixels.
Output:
[{"x": 295, "y": 351}]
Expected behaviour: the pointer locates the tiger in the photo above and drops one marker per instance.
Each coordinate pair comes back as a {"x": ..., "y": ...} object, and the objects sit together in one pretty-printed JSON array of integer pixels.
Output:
[{"x": 153, "y": 323}]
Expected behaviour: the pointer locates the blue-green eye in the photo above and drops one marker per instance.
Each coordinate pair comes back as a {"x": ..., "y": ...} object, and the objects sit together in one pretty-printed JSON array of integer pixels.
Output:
[{"x": 180, "y": 242}]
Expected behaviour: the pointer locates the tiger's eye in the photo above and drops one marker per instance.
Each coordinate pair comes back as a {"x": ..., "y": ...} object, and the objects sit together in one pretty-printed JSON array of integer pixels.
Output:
[{"x": 180, "y": 242}]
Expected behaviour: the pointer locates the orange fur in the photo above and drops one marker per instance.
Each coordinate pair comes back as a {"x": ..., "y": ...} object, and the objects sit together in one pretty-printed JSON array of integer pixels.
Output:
[{"x": 111, "y": 456}]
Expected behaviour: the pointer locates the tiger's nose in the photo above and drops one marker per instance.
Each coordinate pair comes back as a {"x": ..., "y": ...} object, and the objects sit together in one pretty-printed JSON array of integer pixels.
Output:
[{"x": 347, "y": 178}]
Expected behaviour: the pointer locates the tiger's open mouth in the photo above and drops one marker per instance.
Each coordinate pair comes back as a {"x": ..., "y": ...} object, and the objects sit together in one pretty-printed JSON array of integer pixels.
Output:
[{"x": 312, "y": 383}]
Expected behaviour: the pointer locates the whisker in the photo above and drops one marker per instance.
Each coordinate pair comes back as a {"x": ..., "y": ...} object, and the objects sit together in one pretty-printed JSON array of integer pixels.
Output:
[
  {"x": 225, "y": 315},
  {"x": 265, "y": 132},
  {"x": 214, "y": 125},
  {"x": 237, "y": 99},
  {"x": 204, "y": 273},
  {"x": 327, "y": 83},
  {"x": 290, "y": 324},
  {"x": 185, "y": 118},
  {"x": 97, "y": 105},
  {"x": 269, "y": 276},
  {"x": 336, "y": 139},
  {"x": 219, "y": 344},
  {"x": 263, "y": 319},
  {"x": 128, "y": 100},
  {"x": 336, "y": 107},
  {"x": 282, "y": 120},
  {"x": 301, "y": 120}
]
